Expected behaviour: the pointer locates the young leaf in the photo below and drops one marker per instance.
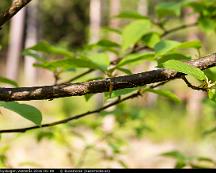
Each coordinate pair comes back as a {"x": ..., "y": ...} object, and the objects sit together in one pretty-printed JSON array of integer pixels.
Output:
[
  {"x": 34, "y": 54},
  {"x": 101, "y": 60},
  {"x": 8, "y": 81},
  {"x": 108, "y": 44},
  {"x": 119, "y": 92},
  {"x": 212, "y": 95},
  {"x": 26, "y": 111},
  {"x": 135, "y": 57},
  {"x": 191, "y": 44},
  {"x": 151, "y": 39},
  {"x": 165, "y": 46},
  {"x": 124, "y": 70},
  {"x": 133, "y": 32},
  {"x": 45, "y": 47},
  {"x": 176, "y": 155},
  {"x": 169, "y": 9},
  {"x": 185, "y": 68},
  {"x": 88, "y": 96},
  {"x": 165, "y": 93},
  {"x": 172, "y": 56},
  {"x": 131, "y": 15},
  {"x": 207, "y": 24}
]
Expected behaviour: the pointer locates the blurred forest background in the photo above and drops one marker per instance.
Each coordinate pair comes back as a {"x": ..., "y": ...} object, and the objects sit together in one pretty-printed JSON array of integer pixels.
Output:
[{"x": 134, "y": 134}]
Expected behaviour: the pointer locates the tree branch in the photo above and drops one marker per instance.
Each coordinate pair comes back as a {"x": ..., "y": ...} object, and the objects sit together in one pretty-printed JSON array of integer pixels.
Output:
[
  {"x": 178, "y": 28},
  {"x": 16, "y": 6},
  {"x": 192, "y": 86},
  {"x": 64, "y": 121},
  {"x": 99, "y": 86}
]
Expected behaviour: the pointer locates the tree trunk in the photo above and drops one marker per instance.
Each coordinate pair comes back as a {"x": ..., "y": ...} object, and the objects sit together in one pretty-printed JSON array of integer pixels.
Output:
[
  {"x": 115, "y": 6},
  {"x": 30, "y": 40},
  {"x": 15, "y": 45},
  {"x": 95, "y": 20},
  {"x": 95, "y": 24},
  {"x": 143, "y": 7}
]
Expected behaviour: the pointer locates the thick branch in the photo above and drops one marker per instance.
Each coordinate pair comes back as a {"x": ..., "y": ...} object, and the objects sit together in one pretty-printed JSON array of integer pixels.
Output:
[
  {"x": 14, "y": 8},
  {"x": 99, "y": 86},
  {"x": 76, "y": 117}
]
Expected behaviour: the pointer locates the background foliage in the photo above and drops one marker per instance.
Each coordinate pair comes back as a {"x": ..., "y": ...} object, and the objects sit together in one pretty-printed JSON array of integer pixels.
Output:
[{"x": 139, "y": 133}]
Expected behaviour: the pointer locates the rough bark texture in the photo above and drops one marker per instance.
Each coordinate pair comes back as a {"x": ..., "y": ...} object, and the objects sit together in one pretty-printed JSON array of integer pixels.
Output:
[
  {"x": 14, "y": 8},
  {"x": 99, "y": 86}
]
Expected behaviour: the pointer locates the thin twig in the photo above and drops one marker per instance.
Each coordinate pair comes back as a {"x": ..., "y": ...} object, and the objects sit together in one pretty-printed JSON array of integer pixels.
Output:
[
  {"x": 178, "y": 28},
  {"x": 192, "y": 86},
  {"x": 78, "y": 76},
  {"x": 22, "y": 130}
]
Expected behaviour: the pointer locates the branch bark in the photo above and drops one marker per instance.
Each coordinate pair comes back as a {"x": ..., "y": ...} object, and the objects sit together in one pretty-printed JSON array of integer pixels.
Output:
[
  {"x": 16, "y": 6},
  {"x": 99, "y": 86}
]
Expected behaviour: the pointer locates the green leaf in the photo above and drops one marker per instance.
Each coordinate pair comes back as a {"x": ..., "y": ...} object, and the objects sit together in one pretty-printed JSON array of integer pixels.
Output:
[
  {"x": 107, "y": 43},
  {"x": 175, "y": 155},
  {"x": 95, "y": 61},
  {"x": 180, "y": 164},
  {"x": 124, "y": 70},
  {"x": 165, "y": 46},
  {"x": 119, "y": 92},
  {"x": 185, "y": 68},
  {"x": 169, "y": 9},
  {"x": 100, "y": 60},
  {"x": 207, "y": 24},
  {"x": 133, "y": 32},
  {"x": 165, "y": 93},
  {"x": 8, "y": 81},
  {"x": 191, "y": 44},
  {"x": 130, "y": 15},
  {"x": 135, "y": 57},
  {"x": 209, "y": 131},
  {"x": 151, "y": 39},
  {"x": 172, "y": 56},
  {"x": 112, "y": 30},
  {"x": 212, "y": 94},
  {"x": 26, "y": 111},
  {"x": 34, "y": 54},
  {"x": 123, "y": 164},
  {"x": 44, "y": 135},
  {"x": 45, "y": 47},
  {"x": 88, "y": 96}
]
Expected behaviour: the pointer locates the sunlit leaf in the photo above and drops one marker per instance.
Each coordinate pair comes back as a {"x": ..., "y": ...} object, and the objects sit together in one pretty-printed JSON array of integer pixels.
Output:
[
  {"x": 8, "y": 81},
  {"x": 135, "y": 57},
  {"x": 169, "y": 9},
  {"x": 131, "y": 15},
  {"x": 165, "y": 93},
  {"x": 100, "y": 60},
  {"x": 172, "y": 56},
  {"x": 175, "y": 155},
  {"x": 118, "y": 93},
  {"x": 133, "y": 32},
  {"x": 151, "y": 39},
  {"x": 26, "y": 111},
  {"x": 207, "y": 24},
  {"x": 45, "y": 47},
  {"x": 185, "y": 68},
  {"x": 165, "y": 46},
  {"x": 191, "y": 44},
  {"x": 107, "y": 43}
]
